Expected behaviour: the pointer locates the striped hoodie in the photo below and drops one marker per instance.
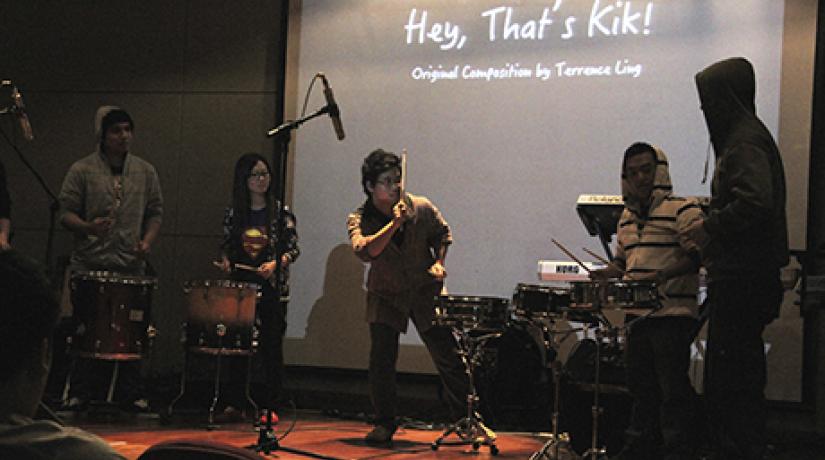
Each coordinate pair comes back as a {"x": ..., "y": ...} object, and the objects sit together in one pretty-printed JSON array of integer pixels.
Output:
[{"x": 649, "y": 243}]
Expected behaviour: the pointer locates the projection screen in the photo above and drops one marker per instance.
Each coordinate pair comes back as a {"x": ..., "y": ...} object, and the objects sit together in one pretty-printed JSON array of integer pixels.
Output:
[{"x": 509, "y": 111}]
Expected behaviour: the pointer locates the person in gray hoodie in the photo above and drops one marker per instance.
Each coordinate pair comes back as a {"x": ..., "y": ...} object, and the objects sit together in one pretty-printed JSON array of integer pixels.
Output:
[
  {"x": 744, "y": 240},
  {"x": 111, "y": 200}
]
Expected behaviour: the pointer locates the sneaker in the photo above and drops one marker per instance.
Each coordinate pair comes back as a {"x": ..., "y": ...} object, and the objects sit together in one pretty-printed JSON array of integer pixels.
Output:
[
  {"x": 76, "y": 404},
  {"x": 229, "y": 415},
  {"x": 138, "y": 406},
  {"x": 380, "y": 435},
  {"x": 274, "y": 418}
]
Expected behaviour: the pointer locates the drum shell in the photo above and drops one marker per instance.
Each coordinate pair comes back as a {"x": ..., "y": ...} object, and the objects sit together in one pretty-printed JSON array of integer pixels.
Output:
[
  {"x": 113, "y": 314},
  {"x": 587, "y": 296},
  {"x": 472, "y": 312},
  {"x": 220, "y": 316},
  {"x": 634, "y": 294},
  {"x": 593, "y": 296},
  {"x": 539, "y": 301}
]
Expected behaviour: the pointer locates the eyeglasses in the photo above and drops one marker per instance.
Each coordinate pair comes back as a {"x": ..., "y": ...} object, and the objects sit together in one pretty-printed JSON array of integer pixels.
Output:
[
  {"x": 389, "y": 181},
  {"x": 259, "y": 175}
]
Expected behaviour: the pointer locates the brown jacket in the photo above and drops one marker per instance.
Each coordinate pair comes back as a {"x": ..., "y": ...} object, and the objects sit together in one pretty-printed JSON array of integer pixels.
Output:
[{"x": 398, "y": 284}]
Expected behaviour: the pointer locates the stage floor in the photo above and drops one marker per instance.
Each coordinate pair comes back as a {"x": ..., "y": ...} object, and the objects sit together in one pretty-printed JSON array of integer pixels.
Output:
[{"x": 317, "y": 435}]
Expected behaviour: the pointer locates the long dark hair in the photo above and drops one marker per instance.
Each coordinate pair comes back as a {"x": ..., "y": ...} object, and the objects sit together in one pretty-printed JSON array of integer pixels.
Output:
[{"x": 241, "y": 201}]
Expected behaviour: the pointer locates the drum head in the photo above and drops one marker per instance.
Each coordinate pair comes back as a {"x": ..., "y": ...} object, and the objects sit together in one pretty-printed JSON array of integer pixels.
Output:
[
  {"x": 191, "y": 284},
  {"x": 107, "y": 277},
  {"x": 472, "y": 312}
]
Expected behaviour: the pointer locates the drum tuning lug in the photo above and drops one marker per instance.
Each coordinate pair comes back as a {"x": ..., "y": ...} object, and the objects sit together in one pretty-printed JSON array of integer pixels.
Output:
[
  {"x": 201, "y": 340},
  {"x": 220, "y": 328},
  {"x": 97, "y": 344}
]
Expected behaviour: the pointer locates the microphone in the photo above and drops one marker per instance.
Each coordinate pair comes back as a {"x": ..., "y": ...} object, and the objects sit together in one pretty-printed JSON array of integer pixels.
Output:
[
  {"x": 334, "y": 112},
  {"x": 19, "y": 111}
]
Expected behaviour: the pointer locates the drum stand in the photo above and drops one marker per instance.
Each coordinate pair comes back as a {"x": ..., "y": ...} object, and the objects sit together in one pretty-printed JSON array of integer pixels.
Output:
[
  {"x": 470, "y": 430},
  {"x": 218, "y": 352},
  {"x": 558, "y": 446}
]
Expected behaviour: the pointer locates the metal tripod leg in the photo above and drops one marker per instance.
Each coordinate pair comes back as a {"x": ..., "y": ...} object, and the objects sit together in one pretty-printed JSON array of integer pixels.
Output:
[
  {"x": 596, "y": 453},
  {"x": 182, "y": 384},
  {"x": 247, "y": 392},
  {"x": 110, "y": 395},
  {"x": 558, "y": 446},
  {"x": 470, "y": 430},
  {"x": 217, "y": 392}
]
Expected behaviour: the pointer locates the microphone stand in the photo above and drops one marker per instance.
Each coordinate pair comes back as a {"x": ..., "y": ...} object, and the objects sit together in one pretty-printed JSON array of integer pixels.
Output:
[
  {"x": 54, "y": 206},
  {"x": 267, "y": 441},
  {"x": 286, "y": 128}
]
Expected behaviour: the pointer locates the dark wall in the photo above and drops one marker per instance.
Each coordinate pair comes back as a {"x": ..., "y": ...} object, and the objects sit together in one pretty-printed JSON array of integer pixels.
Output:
[
  {"x": 814, "y": 325},
  {"x": 201, "y": 78}
]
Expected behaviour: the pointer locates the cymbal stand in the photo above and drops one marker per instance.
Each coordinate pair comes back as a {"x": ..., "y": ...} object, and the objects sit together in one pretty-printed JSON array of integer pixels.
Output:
[
  {"x": 595, "y": 452},
  {"x": 558, "y": 446},
  {"x": 470, "y": 430}
]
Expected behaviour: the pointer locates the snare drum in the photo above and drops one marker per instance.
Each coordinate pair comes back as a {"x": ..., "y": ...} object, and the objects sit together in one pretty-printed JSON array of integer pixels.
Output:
[
  {"x": 634, "y": 294},
  {"x": 472, "y": 313},
  {"x": 593, "y": 296},
  {"x": 113, "y": 314},
  {"x": 538, "y": 301},
  {"x": 587, "y": 296},
  {"x": 220, "y": 316}
]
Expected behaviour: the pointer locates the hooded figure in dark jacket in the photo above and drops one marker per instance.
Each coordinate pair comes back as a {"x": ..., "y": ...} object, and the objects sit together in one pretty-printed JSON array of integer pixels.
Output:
[{"x": 744, "y": 243}]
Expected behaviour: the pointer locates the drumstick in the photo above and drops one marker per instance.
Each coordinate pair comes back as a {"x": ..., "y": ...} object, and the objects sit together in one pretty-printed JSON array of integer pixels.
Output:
[
  {"x": 403, "y": 187},
  {"x": 249, "y": 268},
  {"x": 605, "y": 261},
  {"x": 608, "y": 263},
  {"x": 601, "y": 259},
  {"x": 570, "y": 255}
]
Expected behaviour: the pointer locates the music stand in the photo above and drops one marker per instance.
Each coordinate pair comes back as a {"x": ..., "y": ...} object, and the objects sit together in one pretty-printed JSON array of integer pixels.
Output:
[{"x": 600, "y": 215}]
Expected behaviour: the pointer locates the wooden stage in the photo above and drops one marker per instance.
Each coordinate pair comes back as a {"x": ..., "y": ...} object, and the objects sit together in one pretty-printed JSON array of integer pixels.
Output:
[{"x": 317, "y": 435}]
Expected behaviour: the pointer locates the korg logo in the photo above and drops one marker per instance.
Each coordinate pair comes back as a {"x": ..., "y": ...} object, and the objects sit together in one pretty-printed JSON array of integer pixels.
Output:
[{"x": 567, "y": 269}]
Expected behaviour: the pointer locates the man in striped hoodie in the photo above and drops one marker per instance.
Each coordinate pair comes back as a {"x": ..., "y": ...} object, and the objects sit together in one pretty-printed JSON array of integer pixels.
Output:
[{"x": 650, "y": 248}]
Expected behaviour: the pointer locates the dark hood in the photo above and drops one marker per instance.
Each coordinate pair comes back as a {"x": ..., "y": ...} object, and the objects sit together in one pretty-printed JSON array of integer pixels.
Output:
[
  {"x": 747, "y": 220},
  {"x": 727, "y": 90}
]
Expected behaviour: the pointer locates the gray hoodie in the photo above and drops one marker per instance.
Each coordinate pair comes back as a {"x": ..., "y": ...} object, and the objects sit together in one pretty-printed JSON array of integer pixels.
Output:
[{"x": 746, "y": 223}]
